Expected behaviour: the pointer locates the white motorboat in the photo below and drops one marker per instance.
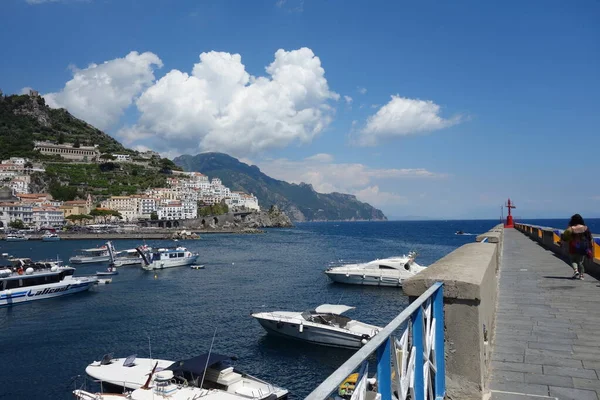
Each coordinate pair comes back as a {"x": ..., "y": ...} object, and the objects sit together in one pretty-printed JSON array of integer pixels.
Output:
[
  {"x": 324, "y": 325},
  {"x": 201, "y": 374},
  {"x": 385, "y": 272},
  {"x": 28, "y": 281},
  {"x": 16, "y": 237},
  {"x": 91, "y": 256},
  {"x": 50, "y": 237},
  {"x": 167, "y": 258},
  {"x": 130, "y": 257}
]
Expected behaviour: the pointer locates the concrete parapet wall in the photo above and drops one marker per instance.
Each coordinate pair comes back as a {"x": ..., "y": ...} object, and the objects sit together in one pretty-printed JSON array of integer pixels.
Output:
[
  {"x": 469, "y": 275},
  {"x": 550, "y": 239}
]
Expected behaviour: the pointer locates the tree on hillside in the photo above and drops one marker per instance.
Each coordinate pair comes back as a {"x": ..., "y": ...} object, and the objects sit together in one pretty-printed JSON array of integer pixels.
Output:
[
  {"x": 77, "y": 144},
  {"x": 61, "y": 138},
  {"x": 105, "y": 214},
  {"x": 78, "y": 217},
  {"x": 107, "y": 156},
  {"x": 153, "y": 216}
]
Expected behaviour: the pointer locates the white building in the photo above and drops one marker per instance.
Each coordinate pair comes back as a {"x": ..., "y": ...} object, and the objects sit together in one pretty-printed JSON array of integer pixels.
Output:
[
  {"x": 20, "y": 184},
  {"x": 16, "y": 161},
  {"x": 68, "y": 151},
  {"x": 48, "y": 216},
  {"x": 170, "y": 210},
  {"x": 10, "y": 212},
  {"x": 122, "y": 157},
  {"x": 237, "y": 200},
  {"x": 146, "y": 206}
]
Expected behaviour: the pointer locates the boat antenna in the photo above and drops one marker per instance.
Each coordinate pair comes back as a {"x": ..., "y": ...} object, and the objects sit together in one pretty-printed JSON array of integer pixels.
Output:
[
  {"x": 149, "y": 347},
  {"x": 208, "y": 358}
]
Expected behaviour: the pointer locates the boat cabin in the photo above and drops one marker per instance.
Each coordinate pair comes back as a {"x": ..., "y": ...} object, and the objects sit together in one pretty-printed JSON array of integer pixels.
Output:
[
  {"x": 166, "y": 254},
  {"x": 328, "y": 314},
  {"x": 21, "y": 278}
]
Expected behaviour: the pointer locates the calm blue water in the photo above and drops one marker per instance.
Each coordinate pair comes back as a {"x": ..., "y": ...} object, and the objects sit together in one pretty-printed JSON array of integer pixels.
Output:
[{"x": 43, "y": 344}]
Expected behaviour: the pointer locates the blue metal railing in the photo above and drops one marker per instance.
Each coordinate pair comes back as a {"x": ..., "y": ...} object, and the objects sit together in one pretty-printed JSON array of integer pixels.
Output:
[{"x": 420, "y": 370}]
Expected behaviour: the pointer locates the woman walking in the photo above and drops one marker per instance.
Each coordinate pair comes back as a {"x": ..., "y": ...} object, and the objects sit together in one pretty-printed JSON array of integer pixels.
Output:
[{"x": 581, "y": 244}]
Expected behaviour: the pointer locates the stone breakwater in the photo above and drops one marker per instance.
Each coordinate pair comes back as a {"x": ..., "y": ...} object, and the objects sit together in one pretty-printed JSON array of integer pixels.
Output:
[{"x": 470, "y": 278}]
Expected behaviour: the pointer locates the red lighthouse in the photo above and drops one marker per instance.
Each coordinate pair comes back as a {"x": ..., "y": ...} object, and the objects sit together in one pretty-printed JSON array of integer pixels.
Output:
[{"x": 509, "y": 218}]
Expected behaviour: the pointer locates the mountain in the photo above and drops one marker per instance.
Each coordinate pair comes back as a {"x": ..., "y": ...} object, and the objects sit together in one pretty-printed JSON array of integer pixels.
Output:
[
  {"x": 26, "y": 118},
  {"x": 301, "y": 202}
]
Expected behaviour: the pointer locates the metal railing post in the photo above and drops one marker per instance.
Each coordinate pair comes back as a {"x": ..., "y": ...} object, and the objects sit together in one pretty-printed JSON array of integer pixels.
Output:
[
  {"x": 384, "y": 370},
  {"x": 417, "y": 329},
  {"x": 440, "y": 362}
]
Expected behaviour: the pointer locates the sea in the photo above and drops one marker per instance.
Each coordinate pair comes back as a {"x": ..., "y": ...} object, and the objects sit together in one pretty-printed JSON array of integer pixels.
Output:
[{"x": 178, "y": 313}]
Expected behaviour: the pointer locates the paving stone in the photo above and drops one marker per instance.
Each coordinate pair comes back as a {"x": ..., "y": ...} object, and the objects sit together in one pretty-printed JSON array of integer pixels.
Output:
[
  {"x": 497, "y": 356},
  {"x": 549, "y": 353},
  {"x": 591, "y": 364},
  {"x": 572, "y": 394},
  {"x": 516, "y": 367},
  {"x": 586, "y": 349},
  {"x": 561, "y": 362},
  {"x": 510, "y": 349},
  {"x": 516, "y": 396},
  {"x": 555, "y": 380},
  {"x": 517, "y": 387},
  {"x": 511, "y": 376},
  {"x": 572, "y": 372},
  {"x": 587, "y": 383},
  {"x": 549, "y": 346}
]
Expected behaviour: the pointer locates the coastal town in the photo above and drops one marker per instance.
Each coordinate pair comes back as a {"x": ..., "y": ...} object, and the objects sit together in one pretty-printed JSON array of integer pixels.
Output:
[{"x": 182, "y": 197}]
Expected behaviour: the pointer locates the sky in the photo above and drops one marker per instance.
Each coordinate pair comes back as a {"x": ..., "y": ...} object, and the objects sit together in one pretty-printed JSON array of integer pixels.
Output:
[{"x": 432, "y": 108}]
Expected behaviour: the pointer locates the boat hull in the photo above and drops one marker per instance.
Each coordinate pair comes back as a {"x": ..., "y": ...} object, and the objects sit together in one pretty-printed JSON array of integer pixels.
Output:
[
  {"x": 16, "y": 239},
  {"x": 42, "y": 292},
  {"x": 312, "y": 334},
  {"x": 127, "y": 262},
  {"x": 105, "y": 273},
  {"x": 164, "y": 264},
  {"x": 89, "y": 260},
  {"x": 365, "y": 279},
  {"x": 50, "y": 239}
]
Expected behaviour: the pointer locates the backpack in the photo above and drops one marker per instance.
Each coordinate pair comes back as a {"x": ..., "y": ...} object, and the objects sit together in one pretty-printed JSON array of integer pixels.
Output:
[{"x": 580, "y": 244}]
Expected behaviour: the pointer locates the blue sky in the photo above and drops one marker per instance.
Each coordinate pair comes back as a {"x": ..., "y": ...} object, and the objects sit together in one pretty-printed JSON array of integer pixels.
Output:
[{"x": 491, "y": 99}]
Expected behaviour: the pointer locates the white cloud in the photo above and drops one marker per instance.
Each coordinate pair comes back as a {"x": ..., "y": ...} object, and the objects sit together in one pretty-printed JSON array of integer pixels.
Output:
[
  {"x": 99, "y": 94},
  {"x": 378, "y": 198},
  {"x": 401, "y": 117},
  {"x": 327, "y": 176},
  {"x": 348, "y": 99},
  {"x": 219, "y": 106},
  {"x": 35, "y": 2},
  {"x": 361, "y": 90}
]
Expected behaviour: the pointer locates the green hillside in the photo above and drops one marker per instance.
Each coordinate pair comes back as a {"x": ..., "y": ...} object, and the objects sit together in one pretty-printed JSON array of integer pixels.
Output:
[{"x": 301, "y": 202}]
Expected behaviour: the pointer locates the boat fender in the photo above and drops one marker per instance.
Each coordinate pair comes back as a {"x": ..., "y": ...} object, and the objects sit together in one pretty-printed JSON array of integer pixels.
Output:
[
  {"x": 365, "y": 338},
  {"x": 29, "y": 271},
  {"x": 301, "y": 327},
  {"x": 279, "y": 325},
  {"x": 347, "y": 274},
  {"x": 363, "y": 276},
  {"x": 54, "y": 268},
  {"x": 380, "y": 278},
  {"x": 20, "y": 271}
]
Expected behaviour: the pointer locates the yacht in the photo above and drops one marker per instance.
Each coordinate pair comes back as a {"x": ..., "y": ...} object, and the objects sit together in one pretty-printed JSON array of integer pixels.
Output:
[
  {"x": 206, "y": 373},
  {"x": 382, "y": 272},
  {"x": 50, "y": 237},
  {"x": 167, "y": 258},
  {"x": 324, "y": 325},
  {"x": 130, "y": 257},
  {"x": 16, "y": 237},
  {"x": 27, "y": 281},
  {"x": 90, "y": 256}
]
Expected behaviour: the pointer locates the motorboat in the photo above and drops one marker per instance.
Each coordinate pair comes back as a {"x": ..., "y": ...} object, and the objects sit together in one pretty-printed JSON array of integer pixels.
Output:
[
  {"x": 381, "y": 272},
  {"x": 16, "y": 237},
  {"x": 50, "y": 237},
  {"x": 130, "y": 257},
  {"x": 324, "y": 325},
  {"x": 204, "y": 373},
  {"x": 91, "y": 256},
  {"x": 111, "y": 270},
  {"x": 27, "y": 281},
  {"x": 167, "y": 258},
  {"x": 459, "y": 233},
  {"x": 197, "y": 266}
]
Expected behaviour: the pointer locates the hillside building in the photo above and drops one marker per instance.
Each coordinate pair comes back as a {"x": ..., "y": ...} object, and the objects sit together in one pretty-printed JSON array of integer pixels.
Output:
[{"x": 68, "y": 151}]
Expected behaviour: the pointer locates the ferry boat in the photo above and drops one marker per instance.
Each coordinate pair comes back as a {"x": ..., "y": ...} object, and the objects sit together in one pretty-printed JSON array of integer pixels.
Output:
[
  {"x": 91, "y": 256},
  {"x": 50, "y": 237},
  {"x": 130, "y": 257},
  {"x": 16, "y": 237},
  {"x": 167, "y": 258},
  {"x": 325, "y": 325},
  {"x": 205, "y": 374},
  {"x": 385, "y": 272},
  {"x": 27, "y": 281}
]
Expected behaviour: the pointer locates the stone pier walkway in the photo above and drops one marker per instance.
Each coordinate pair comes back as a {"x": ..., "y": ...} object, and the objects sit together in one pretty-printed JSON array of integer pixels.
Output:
[{"x": 547, "y": 341}]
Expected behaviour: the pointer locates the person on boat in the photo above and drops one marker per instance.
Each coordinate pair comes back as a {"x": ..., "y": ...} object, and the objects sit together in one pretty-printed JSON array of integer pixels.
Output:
[{"x": 580, "y": 242}]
